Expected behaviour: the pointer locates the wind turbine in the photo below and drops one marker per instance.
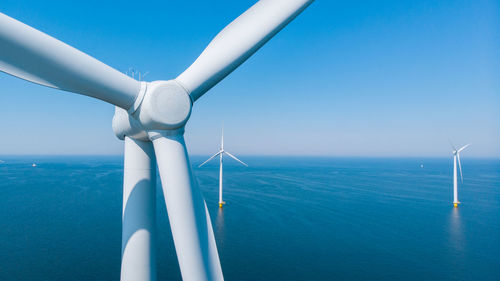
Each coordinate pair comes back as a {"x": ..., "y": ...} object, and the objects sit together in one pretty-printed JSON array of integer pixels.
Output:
[
  {"x": 151, "y": 117},
  {"x": 456, "y": 155},
  {"x": 220, "y": 154}
]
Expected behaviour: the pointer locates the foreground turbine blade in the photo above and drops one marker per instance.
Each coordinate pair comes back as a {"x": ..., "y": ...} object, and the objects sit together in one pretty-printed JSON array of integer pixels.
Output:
[
  {"x": 35, "y": 56},
  {"x": 237, "y": 42},
  {"x": 210, "y": 158},
  {"x": 139, "y": 215},
  {"x": 187, "y": 212},
  {"x": 234, "y": 157}
]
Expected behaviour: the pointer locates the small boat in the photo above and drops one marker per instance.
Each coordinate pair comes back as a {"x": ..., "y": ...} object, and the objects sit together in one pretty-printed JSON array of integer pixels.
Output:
[{"x": 33, "y": 165}]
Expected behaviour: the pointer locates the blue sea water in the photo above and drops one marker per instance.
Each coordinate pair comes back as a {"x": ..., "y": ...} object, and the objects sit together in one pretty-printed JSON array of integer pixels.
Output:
[{"x": 285, "y": 219}]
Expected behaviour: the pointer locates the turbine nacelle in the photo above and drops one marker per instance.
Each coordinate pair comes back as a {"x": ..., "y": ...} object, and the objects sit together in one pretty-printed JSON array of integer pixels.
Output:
[{"x": 164, "y": 105}]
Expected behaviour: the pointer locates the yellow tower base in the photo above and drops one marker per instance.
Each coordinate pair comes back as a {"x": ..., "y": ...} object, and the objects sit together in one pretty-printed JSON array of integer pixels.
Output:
[
  {"x": 221, "y": 203},
  {"x": 455, "y": 205}
]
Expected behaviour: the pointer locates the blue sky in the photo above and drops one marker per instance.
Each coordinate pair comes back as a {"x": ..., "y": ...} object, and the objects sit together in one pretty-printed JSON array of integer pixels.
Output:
[{"x": 346, "y": 78}]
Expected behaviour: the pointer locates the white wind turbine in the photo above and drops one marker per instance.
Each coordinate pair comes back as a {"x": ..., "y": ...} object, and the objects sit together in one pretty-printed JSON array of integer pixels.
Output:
[
  {"x": 456, "y": 155},
  {"x": 220, "y": 154},
  {"x": 150, "y": 117}
]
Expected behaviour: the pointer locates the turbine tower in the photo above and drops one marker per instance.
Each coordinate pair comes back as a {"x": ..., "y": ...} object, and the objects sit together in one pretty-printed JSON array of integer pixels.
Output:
[
  {"x": 456, "y": 155},
  {"x": 220, "y": 154},
  {"x": 151, "y": 117}
]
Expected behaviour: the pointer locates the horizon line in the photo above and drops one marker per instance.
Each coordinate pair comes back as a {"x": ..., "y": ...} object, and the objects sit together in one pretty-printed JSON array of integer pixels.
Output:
[{"x": 257, "y": 155}]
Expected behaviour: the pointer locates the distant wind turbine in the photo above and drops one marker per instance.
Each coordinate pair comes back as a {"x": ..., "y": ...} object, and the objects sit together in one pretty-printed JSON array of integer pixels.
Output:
[
  {"x": 456, "y": 155},
  {"x": 220, "y": 153}
]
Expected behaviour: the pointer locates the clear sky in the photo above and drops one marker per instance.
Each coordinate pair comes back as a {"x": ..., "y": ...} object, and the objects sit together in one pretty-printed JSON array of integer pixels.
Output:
[{"x": 346, "y": 78}]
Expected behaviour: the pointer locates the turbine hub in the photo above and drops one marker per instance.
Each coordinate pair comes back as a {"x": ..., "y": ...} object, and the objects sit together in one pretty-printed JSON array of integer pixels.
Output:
[{"x": 166, "y": 106}]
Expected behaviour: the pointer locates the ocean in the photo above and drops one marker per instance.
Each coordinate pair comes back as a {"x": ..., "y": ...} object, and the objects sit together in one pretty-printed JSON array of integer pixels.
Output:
[{"x": 286, "y": 218}]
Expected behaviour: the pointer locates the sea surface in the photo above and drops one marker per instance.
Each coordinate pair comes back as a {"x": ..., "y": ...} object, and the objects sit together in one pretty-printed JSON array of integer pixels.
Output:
[{"x": 285, "y": 219}]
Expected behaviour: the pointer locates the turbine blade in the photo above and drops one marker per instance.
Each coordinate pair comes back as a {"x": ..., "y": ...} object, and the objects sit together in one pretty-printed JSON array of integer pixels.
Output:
[
  {"x": 35, "y": 56},
  {"x": 237, "y": 42},
  {"x": 460, "y": 167},
  {"x": 210, "y": 158},
  {"x": 222, "y": 140},
  {"x": 452, "y": 146},
  {"x": 234, "y": 157},
  {"x": 187, "y": 212},
  {"x": 464, "y": 147},
  {"x": 139, "y": 211}
]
